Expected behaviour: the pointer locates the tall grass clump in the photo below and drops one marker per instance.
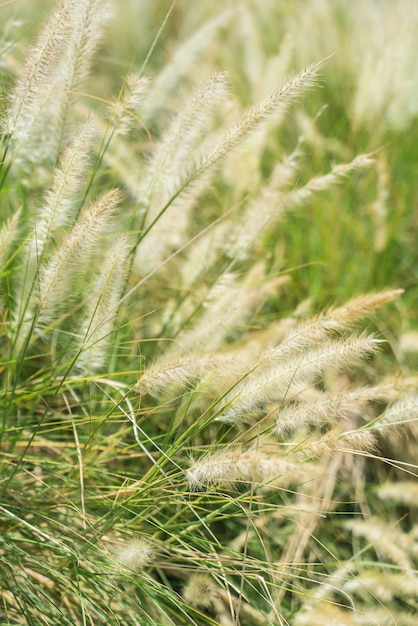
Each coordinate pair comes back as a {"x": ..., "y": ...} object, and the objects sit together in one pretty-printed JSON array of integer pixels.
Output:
[{"x": 196, "y": 427}]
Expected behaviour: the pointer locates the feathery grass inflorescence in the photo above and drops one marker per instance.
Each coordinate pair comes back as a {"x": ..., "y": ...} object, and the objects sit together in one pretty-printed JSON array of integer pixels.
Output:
[
  {"x": 57, "y": 210},
  {"x": 278, "y": 381},
  {"x": 102, "y": 306},
  {"x": 8, "y": 235},
  {"x": 134, "y": 554},
  {"x": 54, "y": 73},
  {"x": 185, "y": 437},
  {"x": 252, "y": 466},
  {"x": 132, "y": 94},
  {"x": 73, "y": 254},
  {"x": 27, "y": 97},
  {"x": 60, "y": 201}
]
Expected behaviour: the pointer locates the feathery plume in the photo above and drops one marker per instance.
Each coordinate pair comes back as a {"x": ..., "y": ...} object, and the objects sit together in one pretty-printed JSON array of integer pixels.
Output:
[
  {"x": 283, "y": 380},
  {"x": 330, "y": 408},
  {"x": 325, "y": 613},
  {"x": 183, "y": 372},
  {"x": 384, "y": 585},
  {"x": 61, "y": 198},
  {"x": 8, "y": 234},
  {"x": 379, "y": 209},
  {"x": 102, "y": 307},
  {"x": 401, "y": 492},
  {"x": 337, "y": 441},
  {"x": 132, "y": 94},
  {"x": 334, "y": 321},
  {"x": 134, "y": 554},
  {"x": 74, "y": 67},
  {"x": 254, "y": 118},
  {"x": 319, "y": 183},
  {"x": 228, "y": 305},
  {"x": 387, "y": 540},
  {"x": 54, "y": 214},
  {"x": 29, "y": 91},
  {"x": 201, "y": 591},
  {"x": 73, "y": 254},
  {"x": 402, "y": 411},
  {"x": 52, "y": 76},
  {"x": 267, "y": 207},
  {"x": 91, "y": 16},
  {"x": 236, "y": 465},
  {"x": 180, "y": 140},
  {"x": 169, "y": 165},
  {"x": 408, "y": 341}
]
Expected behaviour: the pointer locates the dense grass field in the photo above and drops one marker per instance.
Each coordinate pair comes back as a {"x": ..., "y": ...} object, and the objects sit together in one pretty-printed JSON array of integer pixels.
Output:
[{"x": 209, "y": 312}]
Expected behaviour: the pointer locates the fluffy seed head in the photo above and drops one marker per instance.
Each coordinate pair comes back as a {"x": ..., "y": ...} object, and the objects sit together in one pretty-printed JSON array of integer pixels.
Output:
[
  {"x": 200, "y": 591},
  {"x": 134, "y": 554}
]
